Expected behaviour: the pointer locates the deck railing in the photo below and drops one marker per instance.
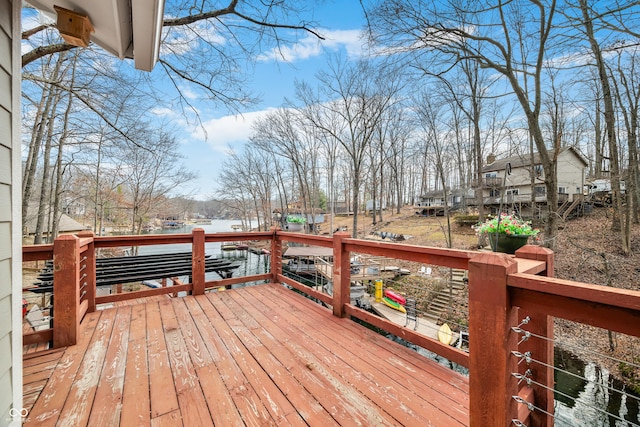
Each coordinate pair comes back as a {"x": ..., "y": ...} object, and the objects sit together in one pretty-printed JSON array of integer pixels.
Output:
[{"x": 503, "y": 290}]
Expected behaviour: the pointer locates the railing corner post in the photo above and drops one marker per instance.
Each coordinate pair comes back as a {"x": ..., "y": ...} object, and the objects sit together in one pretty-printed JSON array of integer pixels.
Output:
[
  {"x": 66, "y": 296},
  {"x": 538, "y": 253},
  {"x": 276, "y": 255},
  {"x": 540, "y": 324},
  {"x": 90, "y": 270},
  {"x": 198, "y": 261},
  {"x": 341, "y": 274},
  {"x": 491, "y": 316}
]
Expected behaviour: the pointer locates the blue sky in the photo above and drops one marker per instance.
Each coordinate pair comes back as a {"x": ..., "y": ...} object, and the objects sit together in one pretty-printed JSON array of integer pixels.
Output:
[{"x": 204, "y": 147}]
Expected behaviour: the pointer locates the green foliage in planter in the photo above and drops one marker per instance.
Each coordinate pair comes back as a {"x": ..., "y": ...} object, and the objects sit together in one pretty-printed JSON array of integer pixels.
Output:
[{"x": 294, "y": 219}]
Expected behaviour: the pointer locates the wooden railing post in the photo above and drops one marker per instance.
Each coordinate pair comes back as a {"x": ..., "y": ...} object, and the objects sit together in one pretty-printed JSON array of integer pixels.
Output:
[
  {"x": 90, "y": 272},
  {"x": 66, "y": 297},
  {"x": 541, "y": 350},
  {"x": 341, "y": 274},
  {"x": 491, "y": 383},
  {"x": 276, "y": 255},
  {"x": 198, "y": 261}
]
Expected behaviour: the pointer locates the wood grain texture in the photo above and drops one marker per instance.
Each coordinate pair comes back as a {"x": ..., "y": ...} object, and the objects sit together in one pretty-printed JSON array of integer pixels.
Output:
[{"x": 260, "y": 355}]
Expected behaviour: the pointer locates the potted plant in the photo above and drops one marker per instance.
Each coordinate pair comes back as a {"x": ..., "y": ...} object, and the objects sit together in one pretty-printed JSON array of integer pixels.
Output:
[
  {"x": 295, "y": 222},
  {"x": 507, "y": 235}
]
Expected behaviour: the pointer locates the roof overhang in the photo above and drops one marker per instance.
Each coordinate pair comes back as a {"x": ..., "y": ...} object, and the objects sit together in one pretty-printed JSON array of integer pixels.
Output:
[{"x": 125, "y": 28}]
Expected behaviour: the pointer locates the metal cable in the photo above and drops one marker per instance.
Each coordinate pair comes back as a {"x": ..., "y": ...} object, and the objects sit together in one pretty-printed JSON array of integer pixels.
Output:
[
  {"x": 531, "y": 406},
  {"x": 582, "y": 403},
  {"x": 635, "y": 365},
  {"x": 530, "y": 360}
]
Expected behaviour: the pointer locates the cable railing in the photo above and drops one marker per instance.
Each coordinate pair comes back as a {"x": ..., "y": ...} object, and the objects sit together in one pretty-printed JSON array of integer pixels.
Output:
[{"x": 599, "y": 399}]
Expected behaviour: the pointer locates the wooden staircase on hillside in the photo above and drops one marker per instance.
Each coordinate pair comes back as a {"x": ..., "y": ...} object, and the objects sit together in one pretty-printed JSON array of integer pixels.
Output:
[
  {"x": 566, "y": 209},
  {"x": 444, "y": 298}
]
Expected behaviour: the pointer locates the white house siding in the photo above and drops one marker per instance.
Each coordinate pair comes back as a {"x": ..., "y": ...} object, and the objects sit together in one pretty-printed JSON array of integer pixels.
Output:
[
  {"x": 572, "y": 175},
  {"x": 520, "y": 178},
  {"x": 10, "y": 240}
]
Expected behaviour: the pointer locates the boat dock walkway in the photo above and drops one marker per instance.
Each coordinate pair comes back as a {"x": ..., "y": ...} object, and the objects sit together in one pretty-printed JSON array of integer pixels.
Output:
[{"x": 425, "y": 327}]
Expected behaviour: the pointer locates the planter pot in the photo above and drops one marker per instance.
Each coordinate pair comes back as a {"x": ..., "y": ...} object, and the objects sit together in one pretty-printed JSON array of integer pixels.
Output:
[
  {"x": 508, "y": 244},
  {"x": 295, "y": 226}
]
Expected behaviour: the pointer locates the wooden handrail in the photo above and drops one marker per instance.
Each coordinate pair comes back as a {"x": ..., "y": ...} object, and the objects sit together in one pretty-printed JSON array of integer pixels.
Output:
[{"x": 37, "y": 253}]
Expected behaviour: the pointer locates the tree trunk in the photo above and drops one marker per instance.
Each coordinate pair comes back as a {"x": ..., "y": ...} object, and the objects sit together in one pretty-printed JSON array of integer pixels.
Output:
[
  {"x": 618, "y": 222},
  {"x": 34, "y": 147},
  {"x": 57, "y": 192},
  {"x": 44, "y": 202}
]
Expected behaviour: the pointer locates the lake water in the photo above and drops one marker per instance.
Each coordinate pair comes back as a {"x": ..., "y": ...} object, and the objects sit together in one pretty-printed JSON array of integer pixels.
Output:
[
  {"x": 588, "y": 395},
  {"x": 248, "y": 262}
]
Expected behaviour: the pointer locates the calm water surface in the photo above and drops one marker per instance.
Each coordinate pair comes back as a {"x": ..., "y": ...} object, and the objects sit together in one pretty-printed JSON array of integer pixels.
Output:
[{"x": 249, "y": 263}]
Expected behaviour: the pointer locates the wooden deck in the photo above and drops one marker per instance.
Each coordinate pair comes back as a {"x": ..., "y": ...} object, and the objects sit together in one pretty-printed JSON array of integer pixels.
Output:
[{"x": 259, "y": 355}]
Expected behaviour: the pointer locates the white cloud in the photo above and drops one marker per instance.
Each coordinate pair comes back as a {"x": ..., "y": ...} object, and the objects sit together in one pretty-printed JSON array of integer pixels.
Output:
[
  {"x": 184, "y": 39},
  {"x": 221, "y": 132},
  {"x": 310, "y": 46}
]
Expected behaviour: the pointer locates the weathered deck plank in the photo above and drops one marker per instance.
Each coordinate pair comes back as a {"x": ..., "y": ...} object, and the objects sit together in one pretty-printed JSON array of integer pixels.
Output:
[
  {"x": 36, "y": 371},
  {"x": 77, "y": 408},
  {"x": 426, "y": 378},
  {"x": 111, "y": 389},
  {"x": 365, "y": 375},
  {"x": 259, "y": 355},
  {"x": 162, "y": 391},
  {"x": 135, "y": 399},
  {"x": 47, "y": 407},
  {"x": 337, "y": 398},
  {"x": 245, "y": 397}
]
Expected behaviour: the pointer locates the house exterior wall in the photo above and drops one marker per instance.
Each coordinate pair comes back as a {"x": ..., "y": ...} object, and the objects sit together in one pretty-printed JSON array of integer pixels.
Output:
[
  {"x": 570, "y": 176},
  {"x": 10, "y": 239},
  {"x": 571, "y": 173}
]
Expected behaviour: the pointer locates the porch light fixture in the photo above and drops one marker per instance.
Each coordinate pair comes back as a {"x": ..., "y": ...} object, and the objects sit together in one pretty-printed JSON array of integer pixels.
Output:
[{"x": 75, "y": 28}]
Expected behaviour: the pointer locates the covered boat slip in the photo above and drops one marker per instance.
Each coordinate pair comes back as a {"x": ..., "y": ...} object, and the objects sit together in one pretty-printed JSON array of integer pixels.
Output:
[{"x": 260, "y": 355}]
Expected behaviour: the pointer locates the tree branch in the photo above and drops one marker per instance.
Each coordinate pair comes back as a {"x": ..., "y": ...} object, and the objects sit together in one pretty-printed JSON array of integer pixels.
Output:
[
  {"x": 36, "y": 30},
  {"x": 231, "y": 10},
  {"x": 270, "y": 25},
  {"x": 89, "y": 105},
  {"x": 41, "y": 51}
]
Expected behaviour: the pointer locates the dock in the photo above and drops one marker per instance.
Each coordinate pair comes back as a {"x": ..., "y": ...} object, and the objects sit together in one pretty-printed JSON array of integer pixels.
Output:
[{"x": 426, "y": 327}]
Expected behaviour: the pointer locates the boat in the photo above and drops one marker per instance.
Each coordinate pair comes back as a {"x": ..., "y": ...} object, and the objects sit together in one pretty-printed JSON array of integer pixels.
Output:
[
  {"x": 394, "y": 296},
  {"x": 445, "y": 336},
  {"x": 393, "y": 304}
]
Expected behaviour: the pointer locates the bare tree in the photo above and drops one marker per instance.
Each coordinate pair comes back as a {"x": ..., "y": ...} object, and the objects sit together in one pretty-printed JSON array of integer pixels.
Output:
[
  {"x": 205, "y": 45},
  {"x": 431, "y": 118},
  {"x": 151, "y": 174},
  {"x": 399, "y": 133},
  {"x": 610, "y": 120},
  {"x": 460, "y": 31},
  {"x": 354, "y": 100},
  {"x": 627, "y": 92}
]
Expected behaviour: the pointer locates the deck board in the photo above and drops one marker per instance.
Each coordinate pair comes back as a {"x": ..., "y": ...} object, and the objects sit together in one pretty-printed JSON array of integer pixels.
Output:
[
  {"x": 162, "y": 391},
  {"x": 411, "y": 370},
  {"x": 135, "y": 399},
  {"x": 365, "y": 375},
  {"x": 260, "y": 355},
  {"x": 111, "y": 381}
]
